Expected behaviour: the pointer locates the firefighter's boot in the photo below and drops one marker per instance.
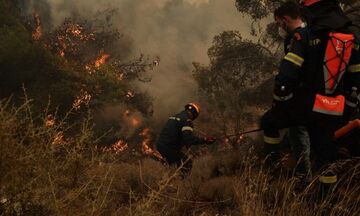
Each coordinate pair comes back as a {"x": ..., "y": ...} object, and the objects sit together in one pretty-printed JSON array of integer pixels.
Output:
[
  {"x": 328, "y": 180},
  {"x": 272, "y": 150}
]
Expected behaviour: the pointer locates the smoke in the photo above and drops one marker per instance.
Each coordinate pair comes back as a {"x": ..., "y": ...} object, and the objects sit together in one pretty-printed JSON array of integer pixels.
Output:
[{"x": 178, "y": 31}]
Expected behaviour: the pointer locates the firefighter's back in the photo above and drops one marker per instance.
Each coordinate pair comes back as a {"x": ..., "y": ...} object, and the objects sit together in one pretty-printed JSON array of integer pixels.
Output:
[{"x": 170, "y": 138}]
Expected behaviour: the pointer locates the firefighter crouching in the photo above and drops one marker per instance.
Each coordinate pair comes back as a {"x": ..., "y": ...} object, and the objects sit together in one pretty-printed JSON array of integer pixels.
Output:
[{"x": 177, "y": 133}]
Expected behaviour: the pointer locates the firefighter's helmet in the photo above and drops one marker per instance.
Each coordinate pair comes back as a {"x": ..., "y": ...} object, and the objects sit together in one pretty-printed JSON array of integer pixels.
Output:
[
  {"x": 194, "y": 108},
  {"x": 306, "y": 3}
]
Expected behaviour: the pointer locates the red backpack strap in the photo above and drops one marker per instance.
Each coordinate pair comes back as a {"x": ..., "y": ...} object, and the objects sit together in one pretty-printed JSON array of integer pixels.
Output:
[{"x": 336, "y": 60}]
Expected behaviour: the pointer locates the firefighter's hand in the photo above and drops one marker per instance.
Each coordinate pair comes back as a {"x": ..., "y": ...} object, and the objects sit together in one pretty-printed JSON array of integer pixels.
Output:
[{"x": 209, "y": 140}]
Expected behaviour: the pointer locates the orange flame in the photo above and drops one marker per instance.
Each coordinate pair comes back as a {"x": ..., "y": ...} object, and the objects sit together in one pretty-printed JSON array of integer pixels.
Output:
[
  {"x": 49, "y": 121},
  {"x": 68, "y": 39},
  {"x": 120, "y": 76},
  {"x": 102, "y": 60},
  {"x": 83, "y": 98},
  {"x": 58, "y": 139},
  {"x": 37, "y": 33},
  {"x": 118, "y": 147},
  {"x": 75, "y": 30},
  {"x": 147, "y": 150},
  {"x": 130, "y": 94},
  {"x": 135, "y": 122}
]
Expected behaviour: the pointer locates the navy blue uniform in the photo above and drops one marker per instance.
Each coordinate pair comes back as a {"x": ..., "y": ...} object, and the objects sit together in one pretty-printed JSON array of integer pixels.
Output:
[
  {"x": 300, "y": 78},
  {"x": 288, "y": 104},
  {"x": 299, "y": 137},
  {"x": 177, "y": 132}
]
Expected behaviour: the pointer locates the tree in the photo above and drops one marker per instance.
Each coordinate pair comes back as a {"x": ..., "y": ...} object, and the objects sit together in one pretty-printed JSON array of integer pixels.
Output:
[{"x": 237, "y": 66}]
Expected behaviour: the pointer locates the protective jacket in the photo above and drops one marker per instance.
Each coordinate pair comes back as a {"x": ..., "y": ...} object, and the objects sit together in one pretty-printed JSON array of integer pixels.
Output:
[
  {"x": 318, "y": 77},
  {"x": 177, "y": 132},
  {"x": 315, "y": 75},
  {"x": 318, "y": 68}
]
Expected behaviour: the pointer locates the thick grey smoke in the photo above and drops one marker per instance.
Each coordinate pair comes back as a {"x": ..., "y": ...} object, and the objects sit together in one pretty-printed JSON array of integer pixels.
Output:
[{"x": 178, "y": 31}]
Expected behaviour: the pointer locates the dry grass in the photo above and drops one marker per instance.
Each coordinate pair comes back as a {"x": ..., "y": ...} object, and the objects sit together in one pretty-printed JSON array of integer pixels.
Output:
[{"x": 72, "y": 177}]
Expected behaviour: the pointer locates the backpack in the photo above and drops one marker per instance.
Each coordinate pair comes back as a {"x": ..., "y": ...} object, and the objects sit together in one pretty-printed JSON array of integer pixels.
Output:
[{"x": 337, "y": 56}]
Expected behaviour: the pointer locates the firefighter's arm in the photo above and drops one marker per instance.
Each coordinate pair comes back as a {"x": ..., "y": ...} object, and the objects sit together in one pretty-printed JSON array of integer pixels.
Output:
[
  {"x": 189, "y": 138},
  {"x": 288, "y": 77}
]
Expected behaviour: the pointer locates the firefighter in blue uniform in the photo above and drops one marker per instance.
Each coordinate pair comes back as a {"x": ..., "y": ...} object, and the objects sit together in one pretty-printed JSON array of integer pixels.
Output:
[
  {"x": 325, "y": 18},
  {"x": 298, "y": 136},
  {"x": 312, "y": 82},
  {"x": 285, "y": 112},
  {"x": 177, "y": 133}
]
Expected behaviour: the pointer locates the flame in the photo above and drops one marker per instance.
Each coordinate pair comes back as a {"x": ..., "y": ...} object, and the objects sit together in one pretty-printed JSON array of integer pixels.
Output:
[
  {"x": 49, "y": 121},
  {"x": 90, "y": 67},
  {"x": 37, "y": 33},
  {"x": 83, "y": 98},
  {"x": 118, "y": 147},
  {"x": 75, "y": 30},
  {"x": 59, "y": 136},
  {"x": 130, "y": 94},
  {"x": 135, "y": 122},
  {"x": 59, "y": 139},
  {"x": 146, "y": 149},
  {"x": 120, "y": 76},
  {"x": 61, "y": 44},
  {"x": 102, "y": 60},
  {"x": 69, "y": 38}
]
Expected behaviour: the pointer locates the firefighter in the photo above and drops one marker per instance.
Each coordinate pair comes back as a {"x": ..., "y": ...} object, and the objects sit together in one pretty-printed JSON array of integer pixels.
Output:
[
  {"x": 312, "y": 81},
  {"x": 327, "y": 20},
  {"x": 325, "y": 16},
  {"x": 284, "y": 112},
  {"x": 177, "y": 133},
  {"x": 298, "y": 136}
]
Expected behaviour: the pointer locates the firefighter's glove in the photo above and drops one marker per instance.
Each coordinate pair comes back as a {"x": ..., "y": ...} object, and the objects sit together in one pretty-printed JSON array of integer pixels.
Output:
[{"x": 209, "y": 140}]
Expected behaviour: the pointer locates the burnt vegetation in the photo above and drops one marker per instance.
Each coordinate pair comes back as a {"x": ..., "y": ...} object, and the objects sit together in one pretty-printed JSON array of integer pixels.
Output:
[{"x": 76, "y": 134}]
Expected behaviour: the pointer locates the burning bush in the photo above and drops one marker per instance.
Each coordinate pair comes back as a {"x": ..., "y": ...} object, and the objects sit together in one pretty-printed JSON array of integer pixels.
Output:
[
  {"x": 80, "y": 63},
  {"x": 67, "y": 177}
]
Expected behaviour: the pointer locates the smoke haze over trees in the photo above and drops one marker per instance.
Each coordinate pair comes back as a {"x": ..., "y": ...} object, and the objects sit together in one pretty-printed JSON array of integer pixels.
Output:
[
  {"x": 85, "y": 86},
  {"x": 178, "y": 31}
]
